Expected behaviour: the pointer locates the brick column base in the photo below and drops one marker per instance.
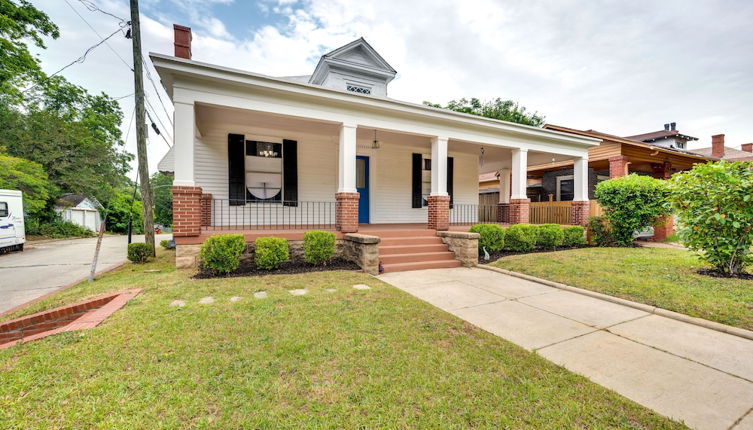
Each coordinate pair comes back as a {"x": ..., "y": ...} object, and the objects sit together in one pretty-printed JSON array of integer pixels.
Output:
[
  {"x": 439, "y": 212},
  {"x": 503, "y": 212},
  {"x": 618, "y": 166},
  {"x": 579, "y": 213},
  {"x": 664, "y": 227},
  {"x": 519, "y": 211},
  {"x": 346, "y": 213},
  {"x": 186, "y": 211},
  {"x": 206, "y": 209}
]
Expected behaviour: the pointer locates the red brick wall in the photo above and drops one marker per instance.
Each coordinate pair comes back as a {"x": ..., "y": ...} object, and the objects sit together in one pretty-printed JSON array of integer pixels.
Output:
[
  {"x": 346, "y": 213},
  {"x": 579, "y": 214},
  {"x": 439, "y": 212},
  {"x": 503, "y": 212},
  {"x": 186, "y": 211},
  {"x": 519, "y": 211},
  {"x": 663, "y": 228},
  {"x": 618, "y": 166},
  {"x": 206, "y": 209}
]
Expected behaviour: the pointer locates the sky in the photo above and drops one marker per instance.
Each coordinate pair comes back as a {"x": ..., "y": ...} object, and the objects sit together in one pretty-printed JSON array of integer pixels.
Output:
[{"x": 620, "y": 67}]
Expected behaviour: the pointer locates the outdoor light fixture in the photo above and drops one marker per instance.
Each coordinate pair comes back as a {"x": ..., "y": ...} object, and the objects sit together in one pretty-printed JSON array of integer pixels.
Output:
[
  {"x": 481, "y": 158},
  {"x": 375, "y": 144},
  {"x": 266, "y": 149}
]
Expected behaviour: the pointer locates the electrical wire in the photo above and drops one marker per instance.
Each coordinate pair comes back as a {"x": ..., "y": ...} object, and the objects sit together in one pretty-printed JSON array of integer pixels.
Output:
[
  {"x": 99, "y": 35},
  {"x": 154, "y": 111},
  {"x": 94, "y": 8},
  {"x": 156, "y": 90}
]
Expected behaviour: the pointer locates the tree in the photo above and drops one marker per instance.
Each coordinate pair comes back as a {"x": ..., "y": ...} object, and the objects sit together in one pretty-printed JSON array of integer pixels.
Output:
[
  {"x": 118, "y": 209},
  {"x": 714, "y": 204},
  {"x": 632, "y": 203},
  {"x": 27, "y": 176},
  {"x": 163, "y": 198},
  {"x": 18, "y": 22},
  {"x": 505, "y": 110}
]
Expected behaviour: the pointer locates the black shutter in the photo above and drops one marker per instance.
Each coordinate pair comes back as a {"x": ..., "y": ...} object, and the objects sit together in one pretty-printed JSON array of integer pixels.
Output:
[
  {"x": 290, "y": 172},
  {"x": 450, "y": 175},
  {"x": 417, "y": 167},
  {"x": 236, "y": 162}
]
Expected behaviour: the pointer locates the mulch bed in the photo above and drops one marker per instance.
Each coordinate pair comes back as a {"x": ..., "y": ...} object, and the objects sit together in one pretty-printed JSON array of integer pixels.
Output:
[
  {"x": 719, "y": 274},
  {"x": 494, "y": 256},
  {"x": 248, "y": 268}
]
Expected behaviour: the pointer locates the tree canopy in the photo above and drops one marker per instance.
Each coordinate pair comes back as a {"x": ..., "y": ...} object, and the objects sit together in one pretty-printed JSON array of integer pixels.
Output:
[
  {"x": 505, "y": 110},
  {"x": 28, "y": 177}
]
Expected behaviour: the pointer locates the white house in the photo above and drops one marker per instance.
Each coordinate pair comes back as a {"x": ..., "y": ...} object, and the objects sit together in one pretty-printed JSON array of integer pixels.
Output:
[{"x": 278, "y": 155}]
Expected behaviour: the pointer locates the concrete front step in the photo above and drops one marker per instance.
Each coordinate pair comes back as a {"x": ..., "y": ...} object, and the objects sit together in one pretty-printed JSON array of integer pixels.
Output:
[
  {"x": 413, "y": 240},
  {"x": 411, "y": 249},
  {"x": 415, "y": 257},
  {"x": 420, "y": 265}
]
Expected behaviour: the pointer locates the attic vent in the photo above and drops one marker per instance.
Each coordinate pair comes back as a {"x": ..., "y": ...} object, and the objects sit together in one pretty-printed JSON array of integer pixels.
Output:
[{"x": 358, "y": 89}]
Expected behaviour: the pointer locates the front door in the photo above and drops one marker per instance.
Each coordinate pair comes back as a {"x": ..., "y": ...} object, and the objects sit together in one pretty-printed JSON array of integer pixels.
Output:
[{"x": 362, "y": 186}]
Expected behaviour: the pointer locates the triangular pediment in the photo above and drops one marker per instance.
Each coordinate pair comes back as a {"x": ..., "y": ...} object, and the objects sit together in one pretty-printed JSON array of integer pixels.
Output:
[{"x": 357, "y": 57}]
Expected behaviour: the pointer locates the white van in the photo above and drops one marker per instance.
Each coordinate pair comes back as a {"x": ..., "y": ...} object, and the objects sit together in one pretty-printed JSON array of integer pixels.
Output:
[{"x": 12, "y": 233}]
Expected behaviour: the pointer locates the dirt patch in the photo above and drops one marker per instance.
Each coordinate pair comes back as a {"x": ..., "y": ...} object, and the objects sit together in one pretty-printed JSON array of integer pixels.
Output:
[
  {"x": 719, "y": 274},
  {"x": 248, "y": 268}
]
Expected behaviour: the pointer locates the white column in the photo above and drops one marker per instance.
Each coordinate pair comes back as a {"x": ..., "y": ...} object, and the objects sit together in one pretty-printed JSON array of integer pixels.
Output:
[
  {"x": 347, "y": 159},
  {"x": 519, "y": 173},
  {"x": 580, "y": 179},
  {"x": 183, "y": 146},
  {"x": 439, "y": 166},
  {"x": 504, "y": 185}
]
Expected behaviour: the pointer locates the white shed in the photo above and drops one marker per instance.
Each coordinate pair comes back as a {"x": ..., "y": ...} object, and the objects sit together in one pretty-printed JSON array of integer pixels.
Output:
[{"x": 79, "y": 210}]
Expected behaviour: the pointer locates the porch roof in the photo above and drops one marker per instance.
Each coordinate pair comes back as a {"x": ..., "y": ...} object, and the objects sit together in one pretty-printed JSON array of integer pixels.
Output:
[{"x": 170, "y": 68}]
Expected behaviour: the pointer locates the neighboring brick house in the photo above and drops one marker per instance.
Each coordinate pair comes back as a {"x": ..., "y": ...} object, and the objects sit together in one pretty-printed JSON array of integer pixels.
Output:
[
  {"x": 718, "y": 150},
  {"x": 268, "y": 155}
]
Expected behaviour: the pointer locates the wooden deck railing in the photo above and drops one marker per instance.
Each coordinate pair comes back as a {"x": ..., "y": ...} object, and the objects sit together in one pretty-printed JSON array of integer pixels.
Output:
[{"x": 550, "y": 212}]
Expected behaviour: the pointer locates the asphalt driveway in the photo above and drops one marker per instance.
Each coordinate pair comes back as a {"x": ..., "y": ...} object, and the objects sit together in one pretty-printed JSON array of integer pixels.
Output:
[{"x": 44, "y": 267}]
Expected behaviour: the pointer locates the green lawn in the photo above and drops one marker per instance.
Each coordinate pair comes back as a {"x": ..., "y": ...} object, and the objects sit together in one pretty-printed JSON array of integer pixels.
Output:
[
  {"x": 666, "y": 278},
  {"x": 350, "y": 359}
]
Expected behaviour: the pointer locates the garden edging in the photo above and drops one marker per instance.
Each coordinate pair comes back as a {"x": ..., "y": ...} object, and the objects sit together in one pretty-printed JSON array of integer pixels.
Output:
[{"x": 735, "y": 331}]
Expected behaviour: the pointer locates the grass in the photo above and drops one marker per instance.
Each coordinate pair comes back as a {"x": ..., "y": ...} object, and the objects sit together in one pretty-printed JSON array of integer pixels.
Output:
[
  {"x": 666, "y": 278},
  {"x": 350, "y": 359}
]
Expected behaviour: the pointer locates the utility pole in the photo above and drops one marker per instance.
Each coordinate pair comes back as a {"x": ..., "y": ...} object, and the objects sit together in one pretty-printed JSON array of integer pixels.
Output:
[{"x": 141, "y": 130}]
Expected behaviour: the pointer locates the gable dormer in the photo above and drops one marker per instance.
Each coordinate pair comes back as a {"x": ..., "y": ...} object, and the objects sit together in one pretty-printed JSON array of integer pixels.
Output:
[{"x": 355, "y": 67}]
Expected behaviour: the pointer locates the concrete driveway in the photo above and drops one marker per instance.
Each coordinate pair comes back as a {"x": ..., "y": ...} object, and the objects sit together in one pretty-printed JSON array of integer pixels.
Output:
[
  {"x": 44, "y": 267},
  {"x": 692, "y": 374}
]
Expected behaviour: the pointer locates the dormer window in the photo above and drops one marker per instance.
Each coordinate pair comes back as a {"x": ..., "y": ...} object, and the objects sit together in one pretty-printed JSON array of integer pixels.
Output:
[{"x": 360, "y": 89}]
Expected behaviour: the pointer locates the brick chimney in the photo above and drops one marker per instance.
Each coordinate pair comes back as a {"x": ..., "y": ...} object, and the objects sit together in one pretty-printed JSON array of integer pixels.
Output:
[
  {"x": 717, "y": 145},
  {"x": 182, "y": 42},
  {"x": 747, "y": 147}
]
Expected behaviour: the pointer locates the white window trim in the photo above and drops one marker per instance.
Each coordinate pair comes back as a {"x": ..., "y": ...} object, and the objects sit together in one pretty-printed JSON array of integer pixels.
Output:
[
  {"x": 280, "y": 202},
  {"x": 559, "y": 181}
]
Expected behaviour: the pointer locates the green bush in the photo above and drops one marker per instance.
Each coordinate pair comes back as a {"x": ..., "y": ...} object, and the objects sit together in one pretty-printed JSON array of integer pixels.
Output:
[
  {"x": 521, "y": 237},
  {"x": 270, "y": 252},
  {"x": 492, "y": 237},
  {"x": 139, "y": 252},
  {"x": 165, "y": 244},
  {"x": 632, "y": 203},
  {"x": 222, "y": 253},
  {"x": 601, "y": 231},
  {"x": 714, "y": 204},
  {"x": 549, "y": 236},
  {"x": 57, "y": 229},
  {"x": 573, "y": 235},
  {"x": 318, "y": 246}
]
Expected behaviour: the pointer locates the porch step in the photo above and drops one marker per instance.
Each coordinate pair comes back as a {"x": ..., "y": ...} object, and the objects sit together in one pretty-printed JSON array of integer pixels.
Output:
[
  {"x": 401, "y": 233},
  {"x": 411, "y": 249},
  {"x": 420, "y": 265},
  {"x": 416, "y": 257},
  {"x": 411, "y": 240}
]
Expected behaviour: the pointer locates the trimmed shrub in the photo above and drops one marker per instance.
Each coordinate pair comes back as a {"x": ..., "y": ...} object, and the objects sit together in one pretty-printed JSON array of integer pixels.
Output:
[
  {"x": 139, "y": 252},
  {"x": 492, "y": 237},
  {"x": 521, "y": 237},
  {"x": 270, "y": 252},
  {"x": 632, "y": 204},
  {"x": 318, "y": 246},
  {"x": 714, "y": 204},
  {"x": 222, "y": 253},
  {"x": 549, "y": 236},
  {"x": 167, "y": 244},
  {"x": 601, "y": 231},
  {"x": 573, "y": 235}
]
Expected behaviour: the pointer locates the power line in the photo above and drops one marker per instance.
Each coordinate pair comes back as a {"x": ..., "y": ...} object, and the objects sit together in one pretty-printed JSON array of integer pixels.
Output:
[
  {"x": 97, "y": 33},
  {"x": 94, "y": 8},
  {"x": 122, "y": 97},
  {"x": 156, "y": 130},
  {"x": 149, "y": 76},
  {"x": 154, "y": 111}
]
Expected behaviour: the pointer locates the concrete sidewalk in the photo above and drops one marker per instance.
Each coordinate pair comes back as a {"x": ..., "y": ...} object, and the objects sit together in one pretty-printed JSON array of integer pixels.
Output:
[{"x": 692, "y": 374}]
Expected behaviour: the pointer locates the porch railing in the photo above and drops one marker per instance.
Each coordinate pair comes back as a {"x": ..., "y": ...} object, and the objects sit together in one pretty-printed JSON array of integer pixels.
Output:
[
  {"x": 467, "y": 214},
  {"x": 279, "y": 215},
  {"x": 550, "y": 212}
]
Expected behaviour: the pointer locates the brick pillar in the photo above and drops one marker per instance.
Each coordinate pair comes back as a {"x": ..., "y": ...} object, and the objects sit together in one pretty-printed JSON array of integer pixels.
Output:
[
  {"x": 206, "y": 209},
  {"x": 618, "y": 166},
  {"x": 439, "y": 212},
  {"x": 579, "y": 213},
  {"x": 663, "y": 228},
  {"x": 519, "y": 211},
  {"x": 503, "y": 212},
  {"x": 346, "y": 213},
  {"x": 186, "y": 211}
]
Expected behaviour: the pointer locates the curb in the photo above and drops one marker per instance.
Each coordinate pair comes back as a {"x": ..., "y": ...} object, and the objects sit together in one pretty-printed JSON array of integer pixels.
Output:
[
  {"x": 66, "y": 286},
  {"x": 735, "y": 331}
]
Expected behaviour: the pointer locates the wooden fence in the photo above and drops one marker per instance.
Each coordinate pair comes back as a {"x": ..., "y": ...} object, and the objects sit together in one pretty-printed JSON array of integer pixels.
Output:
[{"x": 550, "y": 212}]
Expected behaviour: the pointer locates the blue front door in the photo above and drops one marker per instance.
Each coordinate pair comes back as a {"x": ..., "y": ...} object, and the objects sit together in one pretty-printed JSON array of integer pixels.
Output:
[{"x": 362, "y": 186}]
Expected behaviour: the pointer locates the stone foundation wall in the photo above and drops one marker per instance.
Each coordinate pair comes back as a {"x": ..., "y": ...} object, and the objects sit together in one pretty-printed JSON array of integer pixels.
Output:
[
  {"x": 187, "y": 256},
  {"x": 464, "y": 244},
  {"x": 363, "y": 250}
]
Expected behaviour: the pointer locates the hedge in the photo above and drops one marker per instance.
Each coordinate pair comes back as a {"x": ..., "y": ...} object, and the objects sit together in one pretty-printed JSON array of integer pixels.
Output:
[
  {"x": 318, "y": 246},
  {"x": 270, "y": 252},
  {"x": 521, "y": 237},
  {"x": 492, "y": 237},
  {"x": 222, "y": 253}
]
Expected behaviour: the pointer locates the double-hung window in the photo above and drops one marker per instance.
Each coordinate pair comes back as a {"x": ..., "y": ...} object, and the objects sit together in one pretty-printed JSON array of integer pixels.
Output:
[{"x": 264, "y": 171}]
